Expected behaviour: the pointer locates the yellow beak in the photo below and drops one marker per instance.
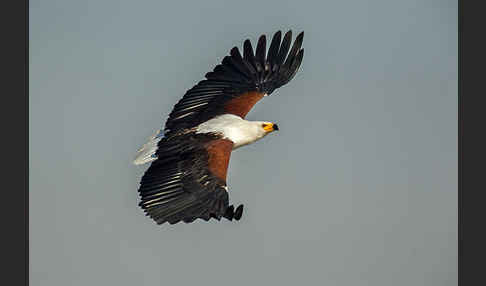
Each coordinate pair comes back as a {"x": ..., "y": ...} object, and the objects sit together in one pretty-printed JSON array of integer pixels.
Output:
[{"x": 270, "y": 127}]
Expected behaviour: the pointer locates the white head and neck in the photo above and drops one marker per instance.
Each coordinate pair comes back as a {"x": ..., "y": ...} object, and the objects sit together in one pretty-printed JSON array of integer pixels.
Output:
[{"x": 236, "y": 129}]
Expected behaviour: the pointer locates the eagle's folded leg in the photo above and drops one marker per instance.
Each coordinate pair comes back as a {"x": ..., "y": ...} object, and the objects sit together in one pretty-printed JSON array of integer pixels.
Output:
[
  {"x": 238, "y": 212},
  {"x": 229, "y": 214}
]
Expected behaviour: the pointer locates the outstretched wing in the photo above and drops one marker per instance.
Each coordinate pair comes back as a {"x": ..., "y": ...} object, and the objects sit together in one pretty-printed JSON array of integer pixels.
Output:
[
  {"x": 236, "y": 84},
  {"x": 188, "y": 180}
]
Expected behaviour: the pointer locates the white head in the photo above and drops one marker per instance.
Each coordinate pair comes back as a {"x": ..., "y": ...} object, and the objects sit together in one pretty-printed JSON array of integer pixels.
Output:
[{"x": 251, "y": 131}]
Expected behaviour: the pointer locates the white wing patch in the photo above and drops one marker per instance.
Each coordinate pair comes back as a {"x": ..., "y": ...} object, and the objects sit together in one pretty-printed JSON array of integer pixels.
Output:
[{"x": 147, "y": 152}]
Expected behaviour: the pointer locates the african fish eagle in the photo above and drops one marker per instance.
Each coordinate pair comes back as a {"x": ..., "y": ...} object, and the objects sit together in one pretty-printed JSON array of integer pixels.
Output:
[{"x": 189, "y": 158}]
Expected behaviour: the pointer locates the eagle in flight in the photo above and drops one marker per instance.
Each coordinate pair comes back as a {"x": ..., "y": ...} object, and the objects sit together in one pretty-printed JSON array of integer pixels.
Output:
[{"x": 189, "y": 158}]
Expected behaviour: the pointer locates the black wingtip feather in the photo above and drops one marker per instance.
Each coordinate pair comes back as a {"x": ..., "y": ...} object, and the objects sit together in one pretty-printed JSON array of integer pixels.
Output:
[
  {"x": 284, "y": 48},
  {"x": 273, "y": 50},
  {"x": 261, "y": 50},
  {"x": 248, "y": 51}
]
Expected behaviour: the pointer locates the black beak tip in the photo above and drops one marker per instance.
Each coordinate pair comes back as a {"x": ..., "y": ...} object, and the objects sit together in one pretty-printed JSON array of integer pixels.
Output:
[{"x": 275, "y": 127}]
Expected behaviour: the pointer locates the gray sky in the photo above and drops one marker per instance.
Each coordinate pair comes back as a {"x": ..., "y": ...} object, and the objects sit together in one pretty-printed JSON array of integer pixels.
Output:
[{"x": 359, "y": 186}]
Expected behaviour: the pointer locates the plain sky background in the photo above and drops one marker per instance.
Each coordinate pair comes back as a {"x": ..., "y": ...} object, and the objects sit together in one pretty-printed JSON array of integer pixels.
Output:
[{"x": 359, "y": 186}]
